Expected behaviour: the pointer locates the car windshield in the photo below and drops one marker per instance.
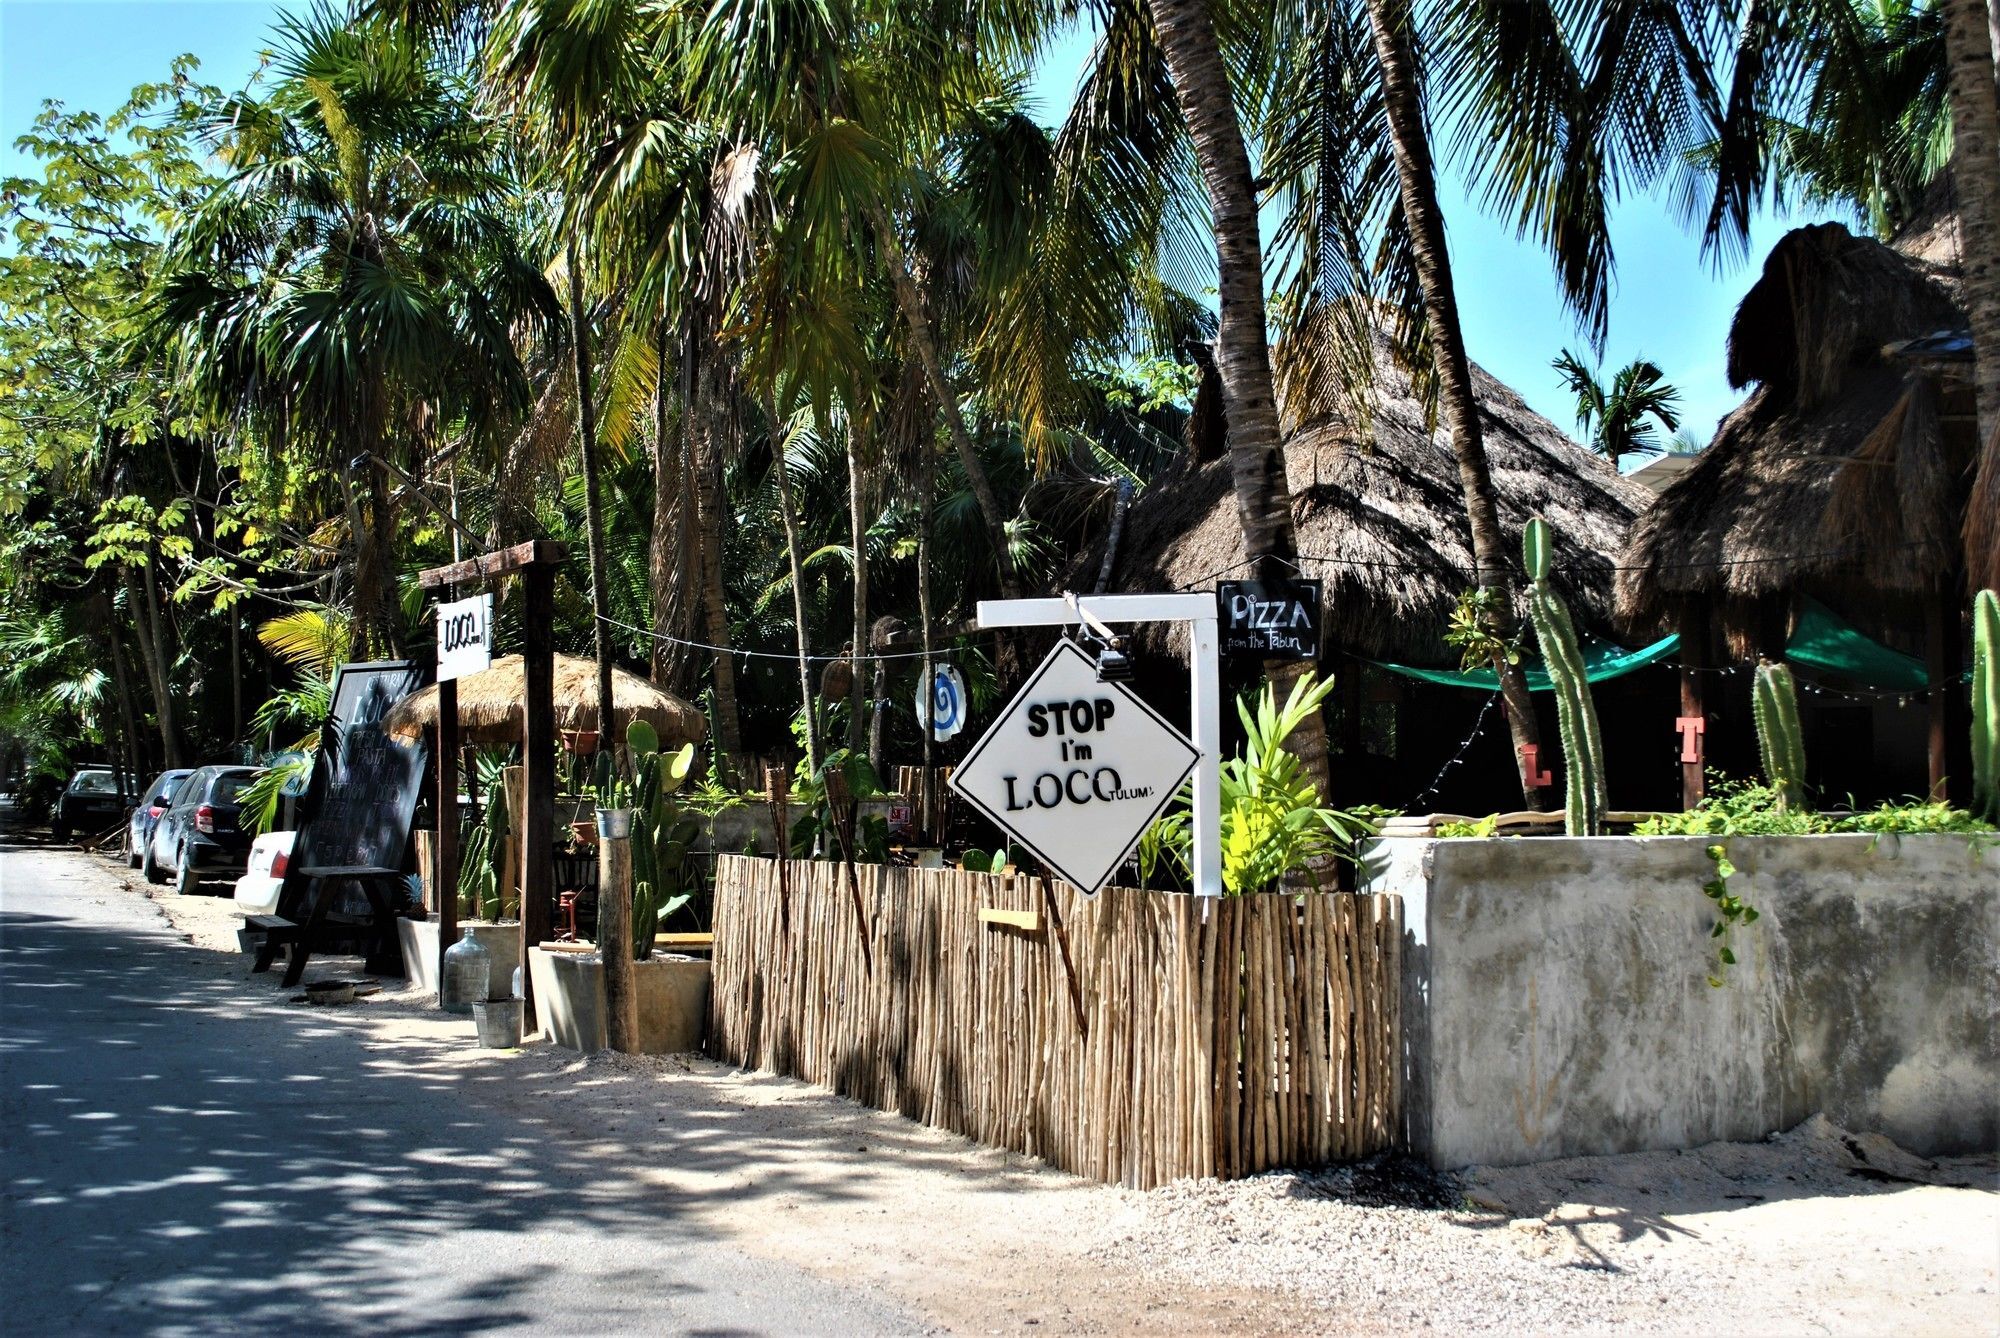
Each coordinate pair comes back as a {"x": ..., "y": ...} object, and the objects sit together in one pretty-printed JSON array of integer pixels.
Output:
[
  {"x": 228, "y": 787},
  {"x": 167, "y": 785},
  {"x": 93, "y": 782}
]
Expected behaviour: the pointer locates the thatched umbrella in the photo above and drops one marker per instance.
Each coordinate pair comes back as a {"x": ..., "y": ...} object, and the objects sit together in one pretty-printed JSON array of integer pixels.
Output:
[
  {"x": 491, "y": 704},
  {"x": 1381, "y": 517},
  {"x": 1842, "y": 477}
]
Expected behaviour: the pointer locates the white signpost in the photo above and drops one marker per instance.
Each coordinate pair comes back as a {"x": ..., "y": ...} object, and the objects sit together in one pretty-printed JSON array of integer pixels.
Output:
[
  {"x": 1075, "y": 769},
  {"x": 464, "y": 637}
]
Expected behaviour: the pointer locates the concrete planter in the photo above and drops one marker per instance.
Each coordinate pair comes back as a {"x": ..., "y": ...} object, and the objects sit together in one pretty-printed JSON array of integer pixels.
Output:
[
  {"x": 420, "y": 952},
  {"x": 569, "y": 1001},
  {"x": 1555, "y": 1001}
]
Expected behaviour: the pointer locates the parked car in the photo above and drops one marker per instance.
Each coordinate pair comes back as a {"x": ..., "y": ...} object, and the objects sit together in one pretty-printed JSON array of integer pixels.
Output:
[
  {"x": 201, "y": 828},
  {"x": 152, "y": 806},
  {"x": 91, "y": 802},
  {"x": 257, "y": 889}
]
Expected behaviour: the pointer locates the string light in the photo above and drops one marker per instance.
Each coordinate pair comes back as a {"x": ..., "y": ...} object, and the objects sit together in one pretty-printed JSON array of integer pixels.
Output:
[{"x": 1478, "y": 728}]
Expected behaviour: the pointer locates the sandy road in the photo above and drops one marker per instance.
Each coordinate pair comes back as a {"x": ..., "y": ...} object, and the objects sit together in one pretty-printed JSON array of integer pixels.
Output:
[{"x": 366, "y": 1167}]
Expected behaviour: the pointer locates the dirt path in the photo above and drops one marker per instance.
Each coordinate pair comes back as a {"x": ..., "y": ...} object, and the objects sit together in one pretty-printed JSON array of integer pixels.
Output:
[{"x": 1794, "y": 1235}]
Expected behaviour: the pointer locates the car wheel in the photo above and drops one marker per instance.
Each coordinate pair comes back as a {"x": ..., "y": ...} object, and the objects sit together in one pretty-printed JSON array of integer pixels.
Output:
[
  {"x": 150, "y": 867},
  {"x": 187, "y": 879},
  {"x": 59, "y": 832}
]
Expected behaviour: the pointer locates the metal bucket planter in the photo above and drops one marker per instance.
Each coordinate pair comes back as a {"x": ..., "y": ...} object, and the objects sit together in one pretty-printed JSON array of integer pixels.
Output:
[{"x": 498, "y": 1023}]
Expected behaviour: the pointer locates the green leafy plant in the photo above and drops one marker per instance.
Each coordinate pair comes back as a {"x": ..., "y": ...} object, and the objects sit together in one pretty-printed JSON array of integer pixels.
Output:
[
  {"x": 1730, "y": 911},
  {"x": 1576, "y": 716},
  {"x": 1273, "y": 823},
  {"x": 664, "y": 877},
  {"x": 1775, "y": 704},
  {"x": 1471, "y": 630},
  {"x": 815, "y": 826},
  {"x": 1486, "y": 826}
]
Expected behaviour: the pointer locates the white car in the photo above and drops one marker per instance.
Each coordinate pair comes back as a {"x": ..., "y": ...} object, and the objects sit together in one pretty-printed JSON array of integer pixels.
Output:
[{"x": 257, "y": 889}]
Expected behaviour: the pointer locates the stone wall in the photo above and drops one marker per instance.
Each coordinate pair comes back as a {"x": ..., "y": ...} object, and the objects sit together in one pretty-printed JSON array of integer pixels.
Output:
[{"x": 1556, "y": 1003}]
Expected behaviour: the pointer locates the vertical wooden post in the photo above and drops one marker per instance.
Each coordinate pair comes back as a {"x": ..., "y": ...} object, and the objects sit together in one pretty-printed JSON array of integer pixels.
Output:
[
  {"x": 444, "y": 882},
  {"x": 614, "y": 885},
  {"x": 1944, "y": 657},
  {"x": 538, "y": 749},
  {"x": 1694, "y": 656}
]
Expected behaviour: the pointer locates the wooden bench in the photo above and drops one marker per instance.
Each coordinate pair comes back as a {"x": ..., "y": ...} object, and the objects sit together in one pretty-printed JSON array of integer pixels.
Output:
[
  {"x": 278, "y": 933},
  {"x": 685, "y": 942}
]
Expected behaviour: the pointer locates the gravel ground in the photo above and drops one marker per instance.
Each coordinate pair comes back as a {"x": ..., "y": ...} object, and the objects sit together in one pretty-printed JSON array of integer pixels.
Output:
[{"x": 1813, "y": 1231}]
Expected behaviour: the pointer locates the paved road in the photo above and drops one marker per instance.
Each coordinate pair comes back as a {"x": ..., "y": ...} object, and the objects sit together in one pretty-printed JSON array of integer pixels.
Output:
[{"x": 183, "y": 1155}]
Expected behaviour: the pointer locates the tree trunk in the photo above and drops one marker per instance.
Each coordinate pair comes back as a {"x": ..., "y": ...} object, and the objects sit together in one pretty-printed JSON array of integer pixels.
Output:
[
  {"x": 1975, "y": 165},
  {"x": 789, "y": 515},
  {"x": 923, "y": 339},
  {"x": 614, "y": 908},
  {"x": 672, "y": 558},
  {"x": 153, "y": 653},
  {"x": 1396, "y": 63},
  {"x": 121, "y": 679},
  {"x": 1255, "y": 448},
  {"x": 862, "y": 693},
  {"x": 710, "y": 499},
  {"x": 927, "y": 483}
]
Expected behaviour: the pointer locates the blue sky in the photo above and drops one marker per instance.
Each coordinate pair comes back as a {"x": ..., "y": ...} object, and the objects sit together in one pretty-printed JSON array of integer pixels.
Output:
[{"x": 1668, "y": 304}]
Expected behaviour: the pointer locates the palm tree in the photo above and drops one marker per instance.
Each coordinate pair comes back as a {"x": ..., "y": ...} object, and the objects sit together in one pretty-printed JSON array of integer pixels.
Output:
[
  {"x": 1975, "y": 109},
  {"x": 356, "y": 282},
  {"x": 1626, "y": 417}
]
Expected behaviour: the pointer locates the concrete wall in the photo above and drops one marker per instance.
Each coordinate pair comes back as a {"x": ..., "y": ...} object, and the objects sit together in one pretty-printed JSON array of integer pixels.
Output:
[{"x": 1556, "y": 1004}]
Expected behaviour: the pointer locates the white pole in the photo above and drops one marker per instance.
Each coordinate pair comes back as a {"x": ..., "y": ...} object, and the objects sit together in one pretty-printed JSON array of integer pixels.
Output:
[{"x": 1205, "y": 703}]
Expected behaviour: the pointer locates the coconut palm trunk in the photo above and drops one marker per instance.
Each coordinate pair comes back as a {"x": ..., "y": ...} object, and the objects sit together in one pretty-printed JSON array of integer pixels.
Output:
[
  {"x": 1396, "y": 63},
  {"x": 923, "y": 339},
  {"x": 614, "y": 905},
  {"x": 1186, "y": 33},
  {"x": 788, "y": 513},
  {"x": 710, "y": 506},
  {"x": 861, "y": 696},
  {"x": 672, "y": 563},
  {"x": 1975, "y": 166}
]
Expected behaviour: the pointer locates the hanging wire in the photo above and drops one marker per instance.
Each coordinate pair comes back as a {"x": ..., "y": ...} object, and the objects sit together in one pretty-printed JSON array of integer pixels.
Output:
[
  {"x": 786, "y": 656},
  {"x": 1478, "y": 728}
]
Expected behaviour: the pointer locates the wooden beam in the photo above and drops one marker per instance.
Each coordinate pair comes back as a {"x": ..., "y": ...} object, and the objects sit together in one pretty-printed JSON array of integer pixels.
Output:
[
  {"x": 534, "y": 553},
  {"x": 538, "y": 757},
  {"x": 444, "y": 879},
  {"x": 1694, "y": 632},
  {"x": 914, "y": 639}
]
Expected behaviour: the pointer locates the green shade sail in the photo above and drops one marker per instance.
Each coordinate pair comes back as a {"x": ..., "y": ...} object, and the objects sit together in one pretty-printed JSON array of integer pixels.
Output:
[{"x": 1821, "y": 641}]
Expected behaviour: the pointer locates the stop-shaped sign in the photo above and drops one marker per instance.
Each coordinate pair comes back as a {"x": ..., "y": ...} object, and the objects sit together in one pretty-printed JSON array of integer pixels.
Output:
[{"x": 1074, "y": 769}]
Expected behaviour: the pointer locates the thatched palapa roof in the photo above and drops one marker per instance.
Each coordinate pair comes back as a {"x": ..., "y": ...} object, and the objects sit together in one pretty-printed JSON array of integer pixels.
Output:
[
  {"x": 1841, "y": 476},
  {"x": 492, "y": 704},
  {"x": 1381, "y": 517}
]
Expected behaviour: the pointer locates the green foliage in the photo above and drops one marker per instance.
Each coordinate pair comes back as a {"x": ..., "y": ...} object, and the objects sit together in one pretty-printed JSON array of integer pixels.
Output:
[
  {"x": 1730, "y": 911},
  {"x": 1471, "y": 630},
  {"x": 1628, "y": 416},
  {"x": 1477, "y": 827},
  {"x": 1273, "y": 823},
  {"x": 664, "y": 874},
  {"x": 1775, "y": 704},
  {"x": 1747, "y": 808},
  {"x": 1576, "y": 715},
  {"x": 1986, "y": 705}
]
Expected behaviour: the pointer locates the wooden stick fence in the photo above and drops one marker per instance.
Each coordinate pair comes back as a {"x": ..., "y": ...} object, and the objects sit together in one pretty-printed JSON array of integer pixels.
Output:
[{"x": 1126, "y": 1039}]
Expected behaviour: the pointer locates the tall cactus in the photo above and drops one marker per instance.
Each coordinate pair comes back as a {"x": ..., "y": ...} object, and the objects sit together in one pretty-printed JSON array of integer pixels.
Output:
[
  {"x": 1986, "y": 705},
  {"x": 1775, "y": 703},
  {"x": 1584, "y": 800}
]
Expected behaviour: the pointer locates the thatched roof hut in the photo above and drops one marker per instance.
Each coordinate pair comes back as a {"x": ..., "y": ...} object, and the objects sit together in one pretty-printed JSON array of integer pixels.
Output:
[
  {"x": 492, "y": 704},
  {"x": 1381, "y": 517},
  {"x": 1842, "y": 477}
]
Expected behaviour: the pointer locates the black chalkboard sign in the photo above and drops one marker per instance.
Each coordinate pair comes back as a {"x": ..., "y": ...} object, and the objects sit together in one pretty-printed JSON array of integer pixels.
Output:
[
  {"x": 365, "y": 784},
  {"x": 1269, "y": 620}
]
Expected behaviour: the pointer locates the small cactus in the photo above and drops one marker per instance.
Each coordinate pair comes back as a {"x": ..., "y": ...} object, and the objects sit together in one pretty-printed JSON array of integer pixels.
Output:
[
  {"x": 1986, "y": 705},
  {"x": 1584, "y": 800},
  {"x": 663, "y": 878},
  {"x": 1775, "y": 703}
]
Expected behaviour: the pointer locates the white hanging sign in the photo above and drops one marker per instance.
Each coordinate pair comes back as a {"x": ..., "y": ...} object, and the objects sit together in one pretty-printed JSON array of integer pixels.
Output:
[
  {"x": 1075, "y": 770},
  {"x": 464, "y": 637},
  {"x": 942, "y": 709}
]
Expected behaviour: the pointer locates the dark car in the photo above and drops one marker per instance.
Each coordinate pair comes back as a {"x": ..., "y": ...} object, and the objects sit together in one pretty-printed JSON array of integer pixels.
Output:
[
  {"x": 200, "y": 830},
  {"x": 152, "y": 806},
  {"x": 91, "y": 802}
]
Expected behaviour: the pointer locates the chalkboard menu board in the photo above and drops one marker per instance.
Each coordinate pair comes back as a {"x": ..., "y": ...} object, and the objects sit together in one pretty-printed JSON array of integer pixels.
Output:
[
  {"x": 365, "y": 784},
  {"x": 1269, "y": 620}
]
